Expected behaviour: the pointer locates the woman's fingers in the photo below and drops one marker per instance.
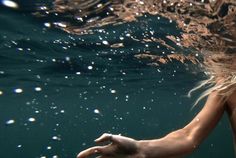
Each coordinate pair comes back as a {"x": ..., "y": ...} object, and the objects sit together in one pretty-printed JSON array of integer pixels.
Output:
[
  {"x": 117, "y": 139},
  {"x": 118, "y": 144},
  {"x": 90, "y": 151},
  {"x": 104, "y": 138}
]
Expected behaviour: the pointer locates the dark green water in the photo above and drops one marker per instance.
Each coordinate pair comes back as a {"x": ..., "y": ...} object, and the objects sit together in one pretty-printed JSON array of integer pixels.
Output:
[{"x": 73, "y": 90}]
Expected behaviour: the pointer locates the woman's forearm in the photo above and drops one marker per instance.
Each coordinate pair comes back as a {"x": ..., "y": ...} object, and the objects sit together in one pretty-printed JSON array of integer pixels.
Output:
[
  {"x": 185, "y": 140},
  {"x": 175, "y": 144}
]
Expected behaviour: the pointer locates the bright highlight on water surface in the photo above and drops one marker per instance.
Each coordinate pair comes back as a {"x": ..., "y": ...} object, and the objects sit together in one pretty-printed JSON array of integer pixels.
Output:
[{"x": 10, "y": 4}]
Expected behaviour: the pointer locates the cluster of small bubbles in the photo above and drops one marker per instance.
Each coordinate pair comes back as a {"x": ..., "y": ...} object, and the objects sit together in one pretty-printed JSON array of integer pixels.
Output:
[
  {"x": 20, "y": 90},
  {"x": 117, "y": 117},
  {"x": 127, "y": 98},
  {"x": 9, "y": 122},
  {"x": 43, "y": 8}
]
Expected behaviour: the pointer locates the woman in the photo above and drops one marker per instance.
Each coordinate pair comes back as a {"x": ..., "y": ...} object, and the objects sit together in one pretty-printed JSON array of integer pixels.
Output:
[
  {"x": 213, "y": 24},
  {"x": 178, "y": 143}
]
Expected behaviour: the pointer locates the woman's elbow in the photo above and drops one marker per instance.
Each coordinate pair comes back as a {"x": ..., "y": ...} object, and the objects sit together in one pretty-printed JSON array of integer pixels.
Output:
[
  {"x": 191, "y": 139},
  {"x": 185, "y": 140},
  {"x": 191, "y": 143}
]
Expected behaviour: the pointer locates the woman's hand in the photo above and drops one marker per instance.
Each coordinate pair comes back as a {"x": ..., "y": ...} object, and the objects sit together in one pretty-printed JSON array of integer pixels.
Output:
[{"x": 119, "y": 146}]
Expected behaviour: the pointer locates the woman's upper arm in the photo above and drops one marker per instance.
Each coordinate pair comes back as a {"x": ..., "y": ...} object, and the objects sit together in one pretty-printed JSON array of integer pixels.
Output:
[{"x": 206, "y": 119}]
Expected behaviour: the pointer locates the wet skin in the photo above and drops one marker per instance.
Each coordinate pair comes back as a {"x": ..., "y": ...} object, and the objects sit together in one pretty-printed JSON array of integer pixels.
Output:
[
  {"x": 177, "y": 143},
  {"x": 231, "y": 110}
]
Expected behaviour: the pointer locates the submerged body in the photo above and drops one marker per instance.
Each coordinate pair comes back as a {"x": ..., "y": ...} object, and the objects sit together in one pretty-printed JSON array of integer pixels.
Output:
[{"x": 176, "y": 144}]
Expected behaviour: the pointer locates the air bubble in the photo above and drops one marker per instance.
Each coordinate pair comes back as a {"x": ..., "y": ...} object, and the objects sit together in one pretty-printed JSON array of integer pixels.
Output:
[
  {"x": 56, "y": 138},
  {"x": 10, "y": 4},
  {"x": 10, "y": 122},
  {"x": 90, "y": 67},
  {"x": 47, "y": 24},
  {"x": 113, "y": 91},
  {"x": 105, "y": 42},
  {"x": 19, "y": 146},
  {"x": 31, "y": 119},
  {"x": 18, "y": 90},
  {"x": 96, "y": 111},
  {"x": 38, "y": 89}
]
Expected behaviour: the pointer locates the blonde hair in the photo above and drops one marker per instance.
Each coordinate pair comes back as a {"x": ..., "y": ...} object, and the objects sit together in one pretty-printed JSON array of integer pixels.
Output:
[
  {"x": 221, "y": 71},
  {"x": 226, "y": 88}
]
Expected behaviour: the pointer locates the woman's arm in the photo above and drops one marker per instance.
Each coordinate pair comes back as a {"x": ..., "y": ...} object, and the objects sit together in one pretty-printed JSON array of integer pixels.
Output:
[
  {"x": 175, "y": 144},
  {"x": 185, "y": 140}
]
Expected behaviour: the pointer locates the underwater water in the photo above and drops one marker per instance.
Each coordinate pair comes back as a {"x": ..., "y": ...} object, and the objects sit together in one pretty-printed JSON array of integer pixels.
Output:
[{"x": 59, "y": 91}]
